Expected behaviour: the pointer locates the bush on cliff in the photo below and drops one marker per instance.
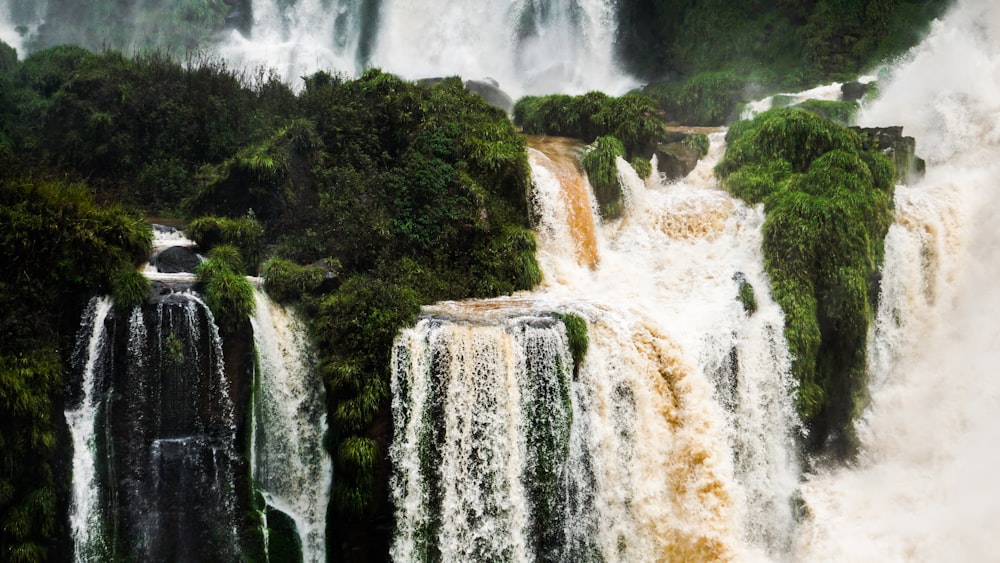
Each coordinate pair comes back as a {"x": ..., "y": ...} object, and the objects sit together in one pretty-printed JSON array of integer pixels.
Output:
[
  {"x": 60, "y": 247},
  {"x": 829, "y": 205}
]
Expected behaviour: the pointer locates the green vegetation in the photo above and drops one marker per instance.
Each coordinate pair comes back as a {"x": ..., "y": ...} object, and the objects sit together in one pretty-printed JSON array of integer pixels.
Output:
[
  {"x": 576, "y": 332},
  {"x": 841, "y": 113},
  {"x": 632, "y": 119},
  {"x": 703, "y": 59},
  {"x": 746, "y": 295},
  {"x": 600, "y": 160},
  {"x": 244, "y": 236},
  {"x": 829, "y": 205},
  {"x": 285, "y": 280},
  {"x": 129, "y": 288},
  {"x": 227, "y": 292},
  {"x": 59, "y": 246}
]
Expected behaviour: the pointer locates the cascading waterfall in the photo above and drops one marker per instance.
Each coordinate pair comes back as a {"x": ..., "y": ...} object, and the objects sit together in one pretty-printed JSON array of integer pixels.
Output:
[
  {"x": 671, "y": 441},
  {"x": 155, "y": 437},
  {"x": 527, "y": 46},
  {"x": 923, "y": 487},
  {"x": 289, "y": 462},
  {"x": 85, "y": 517}
]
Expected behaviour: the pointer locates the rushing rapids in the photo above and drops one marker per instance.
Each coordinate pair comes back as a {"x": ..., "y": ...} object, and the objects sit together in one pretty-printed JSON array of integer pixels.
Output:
[
  {"x": 672, "y": 440},
  {"x": 921, "y": 489}
]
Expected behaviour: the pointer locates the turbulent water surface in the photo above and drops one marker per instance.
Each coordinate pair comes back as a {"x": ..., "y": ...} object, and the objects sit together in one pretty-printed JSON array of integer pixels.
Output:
[{"x": 673, "y": 438}]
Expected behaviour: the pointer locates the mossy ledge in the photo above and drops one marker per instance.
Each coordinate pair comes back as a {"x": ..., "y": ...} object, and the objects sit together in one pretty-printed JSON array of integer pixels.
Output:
[{"x": 828, "y": 205}]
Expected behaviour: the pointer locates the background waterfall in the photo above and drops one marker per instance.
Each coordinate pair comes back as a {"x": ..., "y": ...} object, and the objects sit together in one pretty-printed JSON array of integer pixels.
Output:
[
  {"x": 528, "y": 46},
  {"x": 923, "y": 488}
]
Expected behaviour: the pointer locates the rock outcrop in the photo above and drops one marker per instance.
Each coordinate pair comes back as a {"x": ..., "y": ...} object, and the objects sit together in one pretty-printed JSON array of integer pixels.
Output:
[{"x": 900, "y": 149}]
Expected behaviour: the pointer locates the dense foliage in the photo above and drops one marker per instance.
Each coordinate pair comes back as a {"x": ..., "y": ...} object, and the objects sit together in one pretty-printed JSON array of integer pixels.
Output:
[
  {"x": 411, "y": 193},
  {"x": 57, "y": 245},
  {"x": 627, "y": 126},
  {"x": 706, "y": 58},
  {"x": 829, "y": 205}
]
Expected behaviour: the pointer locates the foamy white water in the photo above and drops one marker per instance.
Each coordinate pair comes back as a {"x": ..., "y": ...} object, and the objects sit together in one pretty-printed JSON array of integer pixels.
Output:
[
  {"x": 923, "y": 488},
  {"x": 288, "y": 459},
  {"x": 85, "y": 517},
  {"x": 679, "y": 446},
  {"x": 527, "y": 47}
]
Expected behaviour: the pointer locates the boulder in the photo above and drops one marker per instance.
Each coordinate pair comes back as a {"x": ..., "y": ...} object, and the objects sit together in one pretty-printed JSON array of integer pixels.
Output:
[
  {"x": 491, "y": 92},
  {"x": 175, "y": 260},
  {"x": 900, "y": 149},
  {"x": 676, "y": 160},
  {"x": 331, "y": 275},
  {"x": 852, "y": 91}
]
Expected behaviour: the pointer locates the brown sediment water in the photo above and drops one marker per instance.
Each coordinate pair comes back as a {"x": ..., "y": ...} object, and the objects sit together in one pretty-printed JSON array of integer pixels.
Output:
[{"x": 564, "y": 154}]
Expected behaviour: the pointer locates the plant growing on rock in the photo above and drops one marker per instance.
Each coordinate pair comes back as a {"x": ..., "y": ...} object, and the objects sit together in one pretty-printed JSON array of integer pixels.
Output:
[
  {"x": 600, "y": 160},
  {"x": 829, "y": 205}
]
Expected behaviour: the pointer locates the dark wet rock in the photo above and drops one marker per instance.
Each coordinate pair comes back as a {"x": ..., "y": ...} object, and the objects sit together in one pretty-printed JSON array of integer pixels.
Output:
[
  {"x": 175, "y": 260},
  {"x": 900, "y": 149},
  {"x": 676, "y": 160},
  {"x": 853, "y": 91}
]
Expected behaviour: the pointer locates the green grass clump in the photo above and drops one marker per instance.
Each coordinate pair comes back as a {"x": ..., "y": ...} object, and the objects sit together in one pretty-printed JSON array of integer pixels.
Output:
[
  {"x": 643, "y": 168},
  {"x": 829, "y": 205},
  {"x": 129, "y": 288},
  {"x": 631, "y": 118},
  {"x": 285, "y": 280},
  {"x": 842, "y": 113},
  {"x": 746, "y": 295},
  {"x": 227, "y": 292},
  {"x": 600, "y": 160},
  {"x": 576, "y": 332}
]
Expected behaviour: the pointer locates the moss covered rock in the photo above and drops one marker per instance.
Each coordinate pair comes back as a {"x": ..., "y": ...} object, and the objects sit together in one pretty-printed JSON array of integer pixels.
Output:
[{"x": 828, "y": 202}]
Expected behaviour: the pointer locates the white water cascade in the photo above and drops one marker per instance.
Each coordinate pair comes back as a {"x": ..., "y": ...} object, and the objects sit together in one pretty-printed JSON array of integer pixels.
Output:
[
  {"x": 289, "y": 461},
  {"x": 85, "y": 517},
  {"x": 672, "y": 440},
  {"x": 923, "y": 488},
  {"x": 527, "y": 46}
]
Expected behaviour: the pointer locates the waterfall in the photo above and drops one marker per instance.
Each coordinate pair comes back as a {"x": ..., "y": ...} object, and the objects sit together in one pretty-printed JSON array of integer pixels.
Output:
[
  {"x": 923, "y": 485},
  {"x": 155, "y": 459},
  {"x": 527, "y": 46},
  {"x": 673, "y": 440},
  {"x": 289, "y": 461},
  {"x": 85, "y": 518}
]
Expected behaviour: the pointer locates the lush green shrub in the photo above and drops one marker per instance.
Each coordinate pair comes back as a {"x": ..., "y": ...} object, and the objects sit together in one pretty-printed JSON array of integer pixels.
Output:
[
  {"x": 285, "y": 280},
  {"x": 227, "y": 293},
  {"x": 129, "y": 288},
  {"x": 600, "y": 160},
  {"x": 244, "y": 233},
  {"x": 698, "y": 142},
  {"x": 576, "y": 332},
  {"x": 746, "y": 296},
  {"x": 842, "y": 113},
  {"x": 706, "y": 98},
  {"x": 642, "y": 166},
  {"x": 829, "y": 206},
  {"x": 631, "y": 118}
]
